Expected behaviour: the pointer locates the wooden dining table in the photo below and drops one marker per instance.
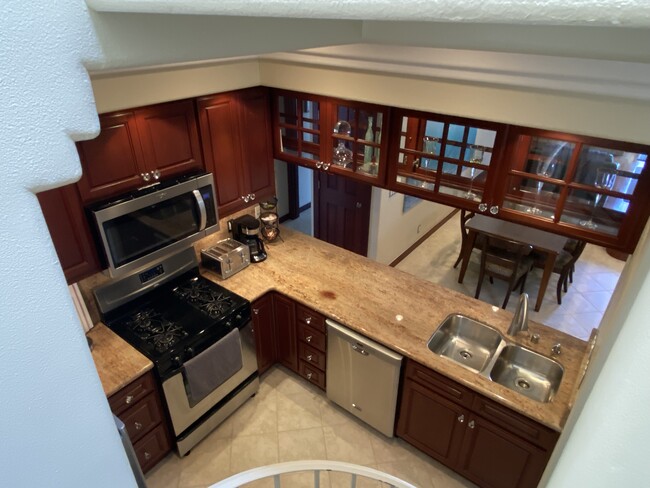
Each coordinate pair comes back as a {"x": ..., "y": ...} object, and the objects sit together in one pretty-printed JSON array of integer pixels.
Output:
[{"x": 546, "y": 242}]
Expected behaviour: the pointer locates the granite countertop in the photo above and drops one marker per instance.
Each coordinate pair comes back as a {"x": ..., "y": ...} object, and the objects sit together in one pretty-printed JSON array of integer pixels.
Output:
[
  {"x": 399, "y": 311},
  {"x": 117, "y": 363}
]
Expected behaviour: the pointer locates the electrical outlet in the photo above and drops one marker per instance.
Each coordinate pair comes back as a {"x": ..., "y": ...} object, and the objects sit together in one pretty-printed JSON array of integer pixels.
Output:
[
  {"x": 230, "y": 226},
  {"x": 257, "y": 211},
  {"x": 418, "y": 229}
]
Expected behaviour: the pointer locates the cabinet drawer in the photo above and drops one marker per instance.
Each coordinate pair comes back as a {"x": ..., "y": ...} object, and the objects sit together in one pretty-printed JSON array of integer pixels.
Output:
[
  {"x": 311, "y": 336},
  {"x": 312, "y": 356},
  {"x": 142, "y": 418},
  {"x": 131, "y": 393},
  {"x": 515, "y": 423},
  {"x": 307, "y": 316},
  {"x": 152, "y": 448},
  {"x": 311, "y": 374},
  {"x": 439, "y": 383}
]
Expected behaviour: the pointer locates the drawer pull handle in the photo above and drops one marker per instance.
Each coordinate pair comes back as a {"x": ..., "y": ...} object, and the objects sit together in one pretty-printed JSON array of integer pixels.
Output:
[
  {"x": 309, "y": 357},
  {"x": 309, "y": 375},
  {"x": 461, "y": 419},
  {"x": 129, "y": 399},
  {"x": 308, "y": 338},
  {"x": 138, "y": 426},
  {"x": 470, "y": 424},
  {"x": 354, "y": 405},
  {"x": 308, "y": 320},
  {"x": 360, "y": 350},
  {"x": 147, "y": 456},
  {"x": 256, "y": 311}
]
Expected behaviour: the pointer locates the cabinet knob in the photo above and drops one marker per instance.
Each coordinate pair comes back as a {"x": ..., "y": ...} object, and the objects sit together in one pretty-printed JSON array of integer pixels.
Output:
[
  {"x": 326, "y": 166},
  {"x": 308, "y": 320},
  {"x": 156, "y": 174},
  {"x": 470, "y": 424},
  {"x": 319, "y": 164},
  {"x": 147, "y": 456},
  {"x": 309, "y": 375},
  {"x": 461, "y": 419},
  {"x": 309, "y": 357},
  {"x": 129, "y": 399},
  {"x": 494, "y": 209},
  {"x": 146, "y": 176},
  {"x": 256, "y": 311},
  {"x": 251, "y": 196},
  {"x": 308, "y": 338},
  {"x": 482, "y": 207},
  {"x": 246, "y": 198},
  {"x": 138, "y": 426}
]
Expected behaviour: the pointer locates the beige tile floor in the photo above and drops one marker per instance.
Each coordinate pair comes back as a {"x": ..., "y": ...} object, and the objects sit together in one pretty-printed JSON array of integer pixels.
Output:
[
  {"x": 289, "y": 420},
  {"x": 582, "y": 306}
]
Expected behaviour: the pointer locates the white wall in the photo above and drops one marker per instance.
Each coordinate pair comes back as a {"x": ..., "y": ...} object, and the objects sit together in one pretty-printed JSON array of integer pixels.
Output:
[
  {"x": 56, "y": 428},
  {"x": 391, "y": 231}
]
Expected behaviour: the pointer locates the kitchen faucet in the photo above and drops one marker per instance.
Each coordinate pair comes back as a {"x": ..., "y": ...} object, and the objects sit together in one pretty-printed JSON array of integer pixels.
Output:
[{"x": 520, "y": 319}]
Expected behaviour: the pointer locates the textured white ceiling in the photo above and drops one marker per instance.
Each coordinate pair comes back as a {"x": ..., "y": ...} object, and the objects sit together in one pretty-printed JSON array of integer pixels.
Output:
[{"x": 632, "y": 13}]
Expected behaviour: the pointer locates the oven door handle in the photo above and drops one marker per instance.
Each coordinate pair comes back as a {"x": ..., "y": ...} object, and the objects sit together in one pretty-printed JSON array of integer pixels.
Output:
[{"x": 201, "y": 204}]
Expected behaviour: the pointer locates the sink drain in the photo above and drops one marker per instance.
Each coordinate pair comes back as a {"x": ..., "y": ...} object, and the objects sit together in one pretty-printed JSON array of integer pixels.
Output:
[
  {"x": 465, "y": 354},
  {"x": 522, "y": 383}
]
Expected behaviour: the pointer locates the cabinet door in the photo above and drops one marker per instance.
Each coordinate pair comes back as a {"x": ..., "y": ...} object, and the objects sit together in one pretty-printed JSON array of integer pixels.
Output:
[
  {"x": 431, "y": 423},
  {"x": 170, "y": 138},
  {"x": 495, "y": 458},
  {"x": 255, "y": 140},
  {"x": 355, "y": 140},
  {"x": 221, "y": 148},
  {"x": 297, "y": 127},
  {"x": 113, "y": 161},
  {"x": 264, "y": 332},
  {"x": 592, "y": 189},
  {"x": 442, "y": 158},
  {"x": 70, "y": 233},
  {"x": 285, "y": 331}
]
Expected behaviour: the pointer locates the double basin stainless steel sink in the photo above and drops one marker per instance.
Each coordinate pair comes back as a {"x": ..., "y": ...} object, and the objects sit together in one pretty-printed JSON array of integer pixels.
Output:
[{"x": 483, "y": 350}]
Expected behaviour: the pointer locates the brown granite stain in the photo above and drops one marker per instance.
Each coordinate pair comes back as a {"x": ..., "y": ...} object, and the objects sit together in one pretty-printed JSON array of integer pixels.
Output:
[{"x": 328, "y": 294}]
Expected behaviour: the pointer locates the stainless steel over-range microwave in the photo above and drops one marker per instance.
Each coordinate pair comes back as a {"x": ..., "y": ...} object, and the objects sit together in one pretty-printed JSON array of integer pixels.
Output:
[{"x": 148, "y": 224}]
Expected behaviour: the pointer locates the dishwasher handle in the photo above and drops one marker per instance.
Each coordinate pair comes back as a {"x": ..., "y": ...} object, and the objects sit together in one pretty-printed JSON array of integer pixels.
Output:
[{"x": 361, "y": 344}]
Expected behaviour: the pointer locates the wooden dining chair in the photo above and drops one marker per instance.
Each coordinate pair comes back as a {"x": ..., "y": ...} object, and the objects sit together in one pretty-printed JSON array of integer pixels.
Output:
[
  {"x": 505, "y": 260},
  {"x": 465, "y": 215},
  {"x": 565, "y": 265}
]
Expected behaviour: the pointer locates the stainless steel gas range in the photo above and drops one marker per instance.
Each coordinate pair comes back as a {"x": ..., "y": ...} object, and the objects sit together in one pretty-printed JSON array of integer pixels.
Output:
[{"x": 198, "y": 335}]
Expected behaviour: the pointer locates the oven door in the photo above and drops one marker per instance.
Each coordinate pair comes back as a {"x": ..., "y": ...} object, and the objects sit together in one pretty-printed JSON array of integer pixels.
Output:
[
  {"x": 182, "y": 414},
  {"x": 149, "y": 227}
]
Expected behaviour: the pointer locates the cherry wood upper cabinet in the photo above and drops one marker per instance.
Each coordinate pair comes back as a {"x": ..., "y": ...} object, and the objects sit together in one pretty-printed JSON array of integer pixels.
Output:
[
  {"x": 236, "y": 137},
  {"x": 588, "y": 188},
  {"x": 137, "y": 146},
  {"x": 69, "y": 230}
]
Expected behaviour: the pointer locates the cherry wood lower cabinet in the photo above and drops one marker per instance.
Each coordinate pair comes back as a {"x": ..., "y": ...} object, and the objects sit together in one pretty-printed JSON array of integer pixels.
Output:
[
  {"x": 138, "y": 406},
  {"x": 478, "y": 438},
  {"x": 291, "y": 334}
]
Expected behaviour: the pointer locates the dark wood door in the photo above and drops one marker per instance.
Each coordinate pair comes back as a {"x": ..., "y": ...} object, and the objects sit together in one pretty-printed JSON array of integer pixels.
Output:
[
  {"x": 69, "y": 230},
  {"x": 170, "y": 138},
  {"x": 285, "y": 331},
  {"x": 221, "y": 149},
  {"x": 113, "y": 161},
  {"x": 263, "y": 322},
  {"x": 493, "y": 457},
  {"x": 431, "y": 423},
  {"x": 255, "y": 140},
  {"x": 342, "y": 211}
]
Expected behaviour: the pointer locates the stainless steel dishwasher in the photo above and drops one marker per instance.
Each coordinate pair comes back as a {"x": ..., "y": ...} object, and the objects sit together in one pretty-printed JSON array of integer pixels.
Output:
[{"x": 362, "y": 377}]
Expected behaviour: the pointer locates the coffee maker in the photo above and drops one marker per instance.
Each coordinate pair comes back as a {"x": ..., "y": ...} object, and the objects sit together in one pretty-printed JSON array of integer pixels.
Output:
[{"x": 246, "y": 229}]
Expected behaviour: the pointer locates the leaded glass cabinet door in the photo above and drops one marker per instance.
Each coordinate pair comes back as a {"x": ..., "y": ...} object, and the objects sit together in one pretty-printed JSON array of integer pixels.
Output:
[
  {"x": 443, "y": 158},
  {"x": 588, "y": 188}
]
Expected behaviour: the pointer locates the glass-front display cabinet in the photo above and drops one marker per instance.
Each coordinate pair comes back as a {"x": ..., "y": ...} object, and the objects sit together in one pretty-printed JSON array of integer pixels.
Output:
[
  {"x": 357, "y": 146},
  {"x": 297, "y": 127},
  {"x": 443, "y": 158},
  {"x": 586, "y": 187}
]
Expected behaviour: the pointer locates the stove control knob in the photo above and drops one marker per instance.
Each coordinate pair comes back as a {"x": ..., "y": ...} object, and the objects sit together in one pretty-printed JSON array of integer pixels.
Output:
[
  {"x": 238, "y": 317},
  {"x": 176, "y": 361},
  {"x": 189, "y": 352},
  {"x": 229, "y": 324}
]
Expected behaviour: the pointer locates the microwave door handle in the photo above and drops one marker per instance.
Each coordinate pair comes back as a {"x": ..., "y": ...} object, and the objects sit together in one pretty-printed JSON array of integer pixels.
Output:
[{"x": 201, "y": 204}]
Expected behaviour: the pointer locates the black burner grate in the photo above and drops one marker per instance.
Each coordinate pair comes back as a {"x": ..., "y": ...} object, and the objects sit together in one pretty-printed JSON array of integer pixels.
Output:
[
  {"x": 153, "y": 328},
  {"x": 204, "y": 296}
]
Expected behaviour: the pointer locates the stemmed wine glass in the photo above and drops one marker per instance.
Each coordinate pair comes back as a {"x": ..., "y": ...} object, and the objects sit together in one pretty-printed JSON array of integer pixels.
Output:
[
  {"x": 604, "y": 181},
  {"x": 477, "y": 158},
  {"x": 546, "y": 169}
]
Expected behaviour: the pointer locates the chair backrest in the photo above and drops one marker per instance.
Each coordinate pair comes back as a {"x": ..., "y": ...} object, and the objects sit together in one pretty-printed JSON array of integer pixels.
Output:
[
  {"x": 577, "y": 251},
  {"x": 465, "y": 215},
  {"x": 506, "y": 255}
]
